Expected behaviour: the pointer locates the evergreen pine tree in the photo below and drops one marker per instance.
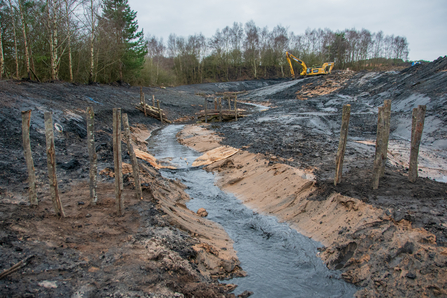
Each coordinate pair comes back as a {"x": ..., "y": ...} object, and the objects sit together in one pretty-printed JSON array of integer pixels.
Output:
[{"x": 130, "y": 46}]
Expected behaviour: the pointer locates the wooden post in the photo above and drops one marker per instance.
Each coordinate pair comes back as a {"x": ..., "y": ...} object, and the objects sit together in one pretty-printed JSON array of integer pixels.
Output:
[
  {"x": 235, "y": 108},
  {"x": 206, "y": 110},
  {"x": 417, "y": 127},
  {"x": 133, "y": 158},
  {"x": 386, "y": 133},
  {"x": 141, "y": 95},
  {"x": 220, "y": 109},
  {"x": 51, "y": 163},
  {"x": 93, "y": 158},
  {"x": 229, "y": 103},
  {"x": 26, "y": 121},
  {"x": 215, "y": 104},
  {"x": 118, "y": 161},
  {"x": 153, "y": 100},
  {"x": 342, "y": 144},
  {"x": 379, "y": 158},
  {"x": 159, "y": 111},
  {"x": 143, "y": 100}
]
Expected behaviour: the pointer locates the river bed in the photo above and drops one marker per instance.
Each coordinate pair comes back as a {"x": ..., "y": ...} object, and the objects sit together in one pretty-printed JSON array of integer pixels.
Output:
[{"x": 278, "y": 260}]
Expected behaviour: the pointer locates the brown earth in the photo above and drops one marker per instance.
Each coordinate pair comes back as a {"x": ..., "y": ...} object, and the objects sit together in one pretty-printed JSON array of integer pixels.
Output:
[{"x": 388, "y": 258}]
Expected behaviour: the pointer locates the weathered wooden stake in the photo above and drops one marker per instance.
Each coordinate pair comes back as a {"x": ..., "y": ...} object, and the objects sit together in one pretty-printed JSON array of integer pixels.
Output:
[
  {"x": 379, "y": 158},
  {"x": 342, "y": 144},
  {"x": 153, "y": 100},
  {"x": 159, "y": 110},
  {"x": 235, "y": 108},
  {"x": 229, "y": 103},
  {"x": 92, "y": 155},
  {"x": 133, "y": 158},
  {"x": 143, "y": 101},
  {"x": 119, "y": 203},
  {"x": 26, "y": 121},
  {"x": 417, "y": 127},
  {"x": 215, "y": 104},
  {"x": 386, "y": 133},
  {"x": 141, "y": 95},
  {"x": 51, "y": 163},
  {"x": 206, "y": 110},
  {"x": 220, "y": 109}
]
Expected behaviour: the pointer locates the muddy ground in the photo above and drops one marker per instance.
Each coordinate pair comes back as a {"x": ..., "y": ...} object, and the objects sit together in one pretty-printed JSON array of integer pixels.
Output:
[
  {"x": 152, "y": 251},
  {"x": 158, "y": 249}
]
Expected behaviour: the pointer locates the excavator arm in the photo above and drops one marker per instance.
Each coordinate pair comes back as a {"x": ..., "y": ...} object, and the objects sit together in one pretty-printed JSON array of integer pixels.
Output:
[
  {"x": 326, "y": 68},
  {"x": 300, "y": 62}
]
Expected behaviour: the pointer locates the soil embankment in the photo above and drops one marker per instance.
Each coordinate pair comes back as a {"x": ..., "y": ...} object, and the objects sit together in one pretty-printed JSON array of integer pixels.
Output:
[
  {"x": 385, "y": 257},
  {"x": 158, "y": 247},
  {"x": 391, "y": 241}
]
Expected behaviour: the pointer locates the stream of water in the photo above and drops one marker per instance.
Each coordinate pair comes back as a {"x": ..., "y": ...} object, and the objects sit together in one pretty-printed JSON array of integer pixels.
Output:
[{"x": 278, "y": 260}]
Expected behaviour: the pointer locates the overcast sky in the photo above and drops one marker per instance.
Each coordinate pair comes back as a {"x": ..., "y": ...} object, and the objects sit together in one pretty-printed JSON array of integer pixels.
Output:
[{"x": 422, "y": 22}]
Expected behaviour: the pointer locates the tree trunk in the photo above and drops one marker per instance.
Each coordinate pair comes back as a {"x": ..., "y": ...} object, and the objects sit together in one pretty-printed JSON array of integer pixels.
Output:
[
  {"x": 92, "y": 32},
  {"x": 2, "y": 56},
  {"x": 25, "y": 41},
  {"x": 70, "y": 62},
  {"x": 54, "y": 41},
  {"x": 15, "y": 41}
]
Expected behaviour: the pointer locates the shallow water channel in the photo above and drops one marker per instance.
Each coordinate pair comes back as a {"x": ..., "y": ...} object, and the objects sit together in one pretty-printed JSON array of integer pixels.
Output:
[{"x": 278, "y": 260}]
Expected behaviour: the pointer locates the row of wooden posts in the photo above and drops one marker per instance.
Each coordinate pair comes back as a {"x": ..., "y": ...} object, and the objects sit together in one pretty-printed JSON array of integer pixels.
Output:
[
  {"x": 51, "y": 159},
  {"x": 218, "y": 113},
  {"x": 383, "y": 133},
  {"x": 218, "y": 106},
  {"x": 151, "y": 110}
]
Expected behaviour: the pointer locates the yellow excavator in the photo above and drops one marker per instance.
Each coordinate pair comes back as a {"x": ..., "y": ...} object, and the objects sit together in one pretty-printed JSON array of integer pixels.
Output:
[{"x": 309, "y": 71}]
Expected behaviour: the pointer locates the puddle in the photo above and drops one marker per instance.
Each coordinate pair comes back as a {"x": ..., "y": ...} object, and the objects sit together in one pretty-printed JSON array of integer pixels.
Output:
[{"x": 278, "y": 260}]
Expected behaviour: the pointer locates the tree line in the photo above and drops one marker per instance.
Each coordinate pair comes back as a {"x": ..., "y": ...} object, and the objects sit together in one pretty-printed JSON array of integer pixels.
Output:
[
  {"x": 71, "y": 40},
  {"x": 249, "y": 52},
  {"x": 99, "y": 41}
]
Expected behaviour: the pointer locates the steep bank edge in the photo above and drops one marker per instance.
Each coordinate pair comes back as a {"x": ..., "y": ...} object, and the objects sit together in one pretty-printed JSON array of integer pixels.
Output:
[
  {"x": 386, "y": 257},
  {"x": 216, "y": 255}
]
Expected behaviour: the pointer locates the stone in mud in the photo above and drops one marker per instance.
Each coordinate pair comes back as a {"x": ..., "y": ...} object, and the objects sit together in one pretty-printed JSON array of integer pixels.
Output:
[
  {"x": 202, "y": 212},
  {"x": 48, "y": 284}
]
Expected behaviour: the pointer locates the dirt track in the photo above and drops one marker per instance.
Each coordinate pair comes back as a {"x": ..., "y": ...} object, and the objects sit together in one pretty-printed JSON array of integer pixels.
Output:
[{"x": 300, "y": 130}]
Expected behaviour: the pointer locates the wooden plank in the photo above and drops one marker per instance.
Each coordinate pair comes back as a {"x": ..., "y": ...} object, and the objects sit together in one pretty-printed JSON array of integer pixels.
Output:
[
  {"x": 214, "y": 155},
  {"x": 133, "y": 158},
  {"x": 119, "y": 204},
  {"x": 93, "y": 158},
  {"x": 418, "y": 119},
  {"x": 51, "y": 163},
  {"x": 26, "y": 121},
  {"x": 151, "y": 160},
  {"x": 342, "y": 143}
]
